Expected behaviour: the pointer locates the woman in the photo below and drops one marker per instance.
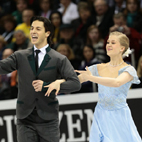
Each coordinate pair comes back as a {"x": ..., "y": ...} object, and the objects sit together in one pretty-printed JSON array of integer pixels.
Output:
[
  {"x": 112, "y": 120},
  {"x": 133, "y": 14},
  {"x": 56, "y": 20},
  {"x": 94, "y": 39}
]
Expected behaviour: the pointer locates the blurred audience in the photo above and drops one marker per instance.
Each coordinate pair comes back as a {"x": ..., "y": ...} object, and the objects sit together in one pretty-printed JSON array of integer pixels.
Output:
[
  {"x": 96, "y": 41},
  {"x": 139, "y": 73},
  {"x": 88, "y": 60},
  {"x": 45, "y": 6},
  {"x": 7, "y": 7},
  {"x": 68, "y": 10},
  {"x": 66, "y": 50},
  {"x": 9, "y": 24},
  {"x": 67, "y": 36},
  {"x": 25, "y": 26},
  {"x": 21, "y": 41},
  {"x": 56, "y": 19},
  {"x": 134, "y": 37},
  {"x": 21, "y": 6},
  {"x": 133, "y": 15},
  {"x": 102, "y": 16},
  {"x": 119, "y": 6},
  {"x": 84, "y": 21},
  {"x": 6, "y": 90},
  {"x": 2, "y": 46}
]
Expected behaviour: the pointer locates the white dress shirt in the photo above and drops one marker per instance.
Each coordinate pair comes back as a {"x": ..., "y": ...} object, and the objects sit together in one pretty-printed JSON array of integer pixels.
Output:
[
  {"x": 70, "y": 14},
  {"x": 41, "y": 54}
]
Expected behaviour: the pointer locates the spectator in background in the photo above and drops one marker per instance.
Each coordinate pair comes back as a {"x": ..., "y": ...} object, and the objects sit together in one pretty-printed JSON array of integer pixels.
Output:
[
  {"x": 68, "y": 10},
  {"x": 21, "y": 6},
  {"x": 2, "y": 46},
  {"x": 89, "y": 59},
  {"x": 139, "y": 73},
  {"x": 67, "y": 37},
  {"x": 25, "y": 26},
  {"x": 7, "y": 7},
  {"x": 102, "y": 16},
  {"x": 119, "y": 6},
  {"x": 45, "y": 6},
  {"x": 56, "y": 20},
  {"x": 6, "y": 90},
  {"x": 9, "y": 24},
  {"x": 66, "y": 50},
  {"x": 22, "y": 42},
  {"x": 134, "y": 37},
  {"x": 94, "y": 39},
  {"x": 84, "y": 21},
  {"x": 133, "y": 15}
]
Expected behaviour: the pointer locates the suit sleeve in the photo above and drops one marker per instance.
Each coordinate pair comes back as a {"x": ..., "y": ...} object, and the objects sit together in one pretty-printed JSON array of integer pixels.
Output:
[
  {"x": 66, "y": 72},
  {"x": 72, "y": 82},
  {"x": 8, "y": 65}
]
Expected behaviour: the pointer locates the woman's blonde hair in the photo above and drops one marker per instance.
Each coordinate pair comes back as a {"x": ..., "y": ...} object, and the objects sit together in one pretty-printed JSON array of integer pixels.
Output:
[
  {"x": 139, "y": 68},
  {"x": 70, "y": 51},
  {"x": 123, "y": 39}
]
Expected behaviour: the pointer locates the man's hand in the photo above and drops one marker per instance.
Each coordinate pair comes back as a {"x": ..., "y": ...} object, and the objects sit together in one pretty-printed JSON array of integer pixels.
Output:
[
  {"x": 37, "y": 84},
  {"x": 54, "y": 86}
]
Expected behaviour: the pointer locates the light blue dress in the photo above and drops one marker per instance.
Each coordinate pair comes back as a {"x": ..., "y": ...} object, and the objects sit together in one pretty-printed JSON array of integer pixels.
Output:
[{"x": 112, "y": 120}]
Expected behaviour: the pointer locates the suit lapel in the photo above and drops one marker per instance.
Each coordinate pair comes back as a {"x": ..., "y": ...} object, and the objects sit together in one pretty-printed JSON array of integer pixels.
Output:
[
  {"x": 32, "y": 61},
  {"x": 45, "y": 61}
]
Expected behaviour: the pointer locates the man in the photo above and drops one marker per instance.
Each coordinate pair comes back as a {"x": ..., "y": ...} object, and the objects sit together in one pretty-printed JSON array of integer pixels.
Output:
[
  {"x": 37, "y": 114},
  {"x": 102, "y": 16},
  {"x": 27, "y": 14}
]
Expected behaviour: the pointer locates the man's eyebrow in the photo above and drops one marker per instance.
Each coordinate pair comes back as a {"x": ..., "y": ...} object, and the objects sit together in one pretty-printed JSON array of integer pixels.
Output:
[{"x": 36, "y": 27}]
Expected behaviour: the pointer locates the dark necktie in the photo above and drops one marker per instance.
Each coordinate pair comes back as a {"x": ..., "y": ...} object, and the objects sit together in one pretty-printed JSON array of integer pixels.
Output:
[{"x": 36, "y": 58}]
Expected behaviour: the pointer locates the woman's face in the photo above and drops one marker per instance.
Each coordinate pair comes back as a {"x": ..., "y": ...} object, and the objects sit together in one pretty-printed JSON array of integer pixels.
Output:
[
  {"x": 55, "y": 19},
  {"x": 88, "y": 53},
  {"x": 63, "y": 50},
  {"x": 94, "y": 34},
  {"x": 45, "y": 5},
  {"x": 21, "y": 5},
  {"x": 9, "y": 26},
  {"x": 132, "y": 6},
  {"x": 113, "y": 46}
]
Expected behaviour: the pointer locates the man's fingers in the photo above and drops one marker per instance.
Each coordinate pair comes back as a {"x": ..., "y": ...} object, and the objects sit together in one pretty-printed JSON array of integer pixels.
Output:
[{"x": 46, "y": 86}]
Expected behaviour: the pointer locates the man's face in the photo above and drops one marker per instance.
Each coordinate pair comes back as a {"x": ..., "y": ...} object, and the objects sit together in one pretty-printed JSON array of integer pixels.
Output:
[
  {"x": 20, "y": 38},
  {"x": 38, "y": 34},
  {"x": 84, "y": 14},
  {"x": 27, "y": 15},
  {"x": 100, "y": 7},
  {"x": 119, "y": 21}
]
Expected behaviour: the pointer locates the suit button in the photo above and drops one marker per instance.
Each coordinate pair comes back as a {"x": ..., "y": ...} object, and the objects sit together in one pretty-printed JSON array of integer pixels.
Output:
[{"x": 36, "y": 99}]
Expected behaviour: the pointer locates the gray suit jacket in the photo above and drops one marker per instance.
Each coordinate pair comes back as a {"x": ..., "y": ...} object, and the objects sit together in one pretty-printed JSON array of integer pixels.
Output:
[{"x": 54, "y": 66}]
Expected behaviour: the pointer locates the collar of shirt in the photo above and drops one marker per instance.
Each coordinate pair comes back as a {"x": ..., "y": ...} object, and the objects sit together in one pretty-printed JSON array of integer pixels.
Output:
[{"x": 43, "y": 49}]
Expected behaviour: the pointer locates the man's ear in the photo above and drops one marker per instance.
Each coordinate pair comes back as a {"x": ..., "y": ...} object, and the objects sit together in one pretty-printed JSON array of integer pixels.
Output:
[{"x": 47, "y": 33}]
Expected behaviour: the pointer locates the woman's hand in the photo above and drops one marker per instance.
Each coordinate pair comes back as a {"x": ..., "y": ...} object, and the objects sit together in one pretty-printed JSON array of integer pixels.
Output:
[
  {"x": 84, "y": 75},
  {"x": 54, "y": 86}
]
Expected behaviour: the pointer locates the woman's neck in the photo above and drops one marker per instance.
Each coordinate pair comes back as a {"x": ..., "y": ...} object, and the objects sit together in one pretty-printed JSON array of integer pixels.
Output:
[{"x": 115, "y": 61}]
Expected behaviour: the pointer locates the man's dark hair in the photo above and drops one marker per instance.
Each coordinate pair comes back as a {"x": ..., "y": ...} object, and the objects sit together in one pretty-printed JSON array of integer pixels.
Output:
[{"x": 47, "y": 25}]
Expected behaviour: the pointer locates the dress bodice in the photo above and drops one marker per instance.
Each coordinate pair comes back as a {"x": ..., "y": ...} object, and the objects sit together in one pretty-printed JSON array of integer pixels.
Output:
[{"x": 112, "y": 98}]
